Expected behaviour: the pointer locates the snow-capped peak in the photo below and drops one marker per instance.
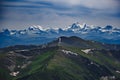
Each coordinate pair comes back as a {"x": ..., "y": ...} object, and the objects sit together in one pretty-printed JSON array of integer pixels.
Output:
[
  {"x": 34, "y": 27},
  {"x": 39, "y": 27},
  {"x": 78, "y": 25},
  {"x": 107, "y": 34},
  {"x": 75, "y": 25},
  {"x": 6, "y": 31},
  {"x": 83, "y": 25}
]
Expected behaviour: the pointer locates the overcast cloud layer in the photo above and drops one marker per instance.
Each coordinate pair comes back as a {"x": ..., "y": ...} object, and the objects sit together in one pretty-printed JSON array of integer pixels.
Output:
[{"x": 19, "y": 14}]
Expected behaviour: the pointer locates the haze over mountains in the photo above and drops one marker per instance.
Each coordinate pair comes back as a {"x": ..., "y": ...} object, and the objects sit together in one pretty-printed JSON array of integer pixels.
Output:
[{"x": 37, "y": 35}]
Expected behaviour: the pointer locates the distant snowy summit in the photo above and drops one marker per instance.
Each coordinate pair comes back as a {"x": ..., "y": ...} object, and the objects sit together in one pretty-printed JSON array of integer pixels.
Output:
[
  {"x": 35, "y": 34},
  {"x": 84, "y": 27},
  {"x": 75, "y": 27}
]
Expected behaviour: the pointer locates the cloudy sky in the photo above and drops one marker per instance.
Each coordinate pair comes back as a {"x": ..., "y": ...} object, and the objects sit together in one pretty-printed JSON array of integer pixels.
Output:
[{"x": 19, "y": 14}]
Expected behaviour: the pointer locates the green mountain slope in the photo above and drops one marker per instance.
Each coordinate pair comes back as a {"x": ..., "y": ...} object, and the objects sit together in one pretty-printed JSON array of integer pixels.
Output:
[{"x": 68, "y": 58}]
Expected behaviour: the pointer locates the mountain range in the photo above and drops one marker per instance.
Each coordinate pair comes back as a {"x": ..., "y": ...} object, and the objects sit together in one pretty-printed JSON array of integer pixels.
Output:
[
  {"x": 66, "y": 58},
  {"x": 36, "y": 35}
]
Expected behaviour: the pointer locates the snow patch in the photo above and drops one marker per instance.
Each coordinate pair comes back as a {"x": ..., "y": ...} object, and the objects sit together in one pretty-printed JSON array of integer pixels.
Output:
[
  {"x": 69, "y": 52},
  {"x": 86, "y": 51},
  {"x": 21, "y": 50},
  {"x": 14, "y": 73},
  {"x": 84, "y": 32},
  {"x": 35, "y": 27},
  {"x": 118, "y": 71},
  {"x": 12, "y": 33}
]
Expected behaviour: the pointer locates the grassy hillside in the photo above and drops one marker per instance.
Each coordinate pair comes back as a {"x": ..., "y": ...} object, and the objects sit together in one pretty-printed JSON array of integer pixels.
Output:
[
  {"x": 71, "y": 59},
  {"x": 56, "y": 65}
]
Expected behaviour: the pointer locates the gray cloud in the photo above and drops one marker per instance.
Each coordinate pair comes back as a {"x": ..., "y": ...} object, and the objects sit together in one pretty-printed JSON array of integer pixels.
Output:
[{"x": 58, "y": 13}]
